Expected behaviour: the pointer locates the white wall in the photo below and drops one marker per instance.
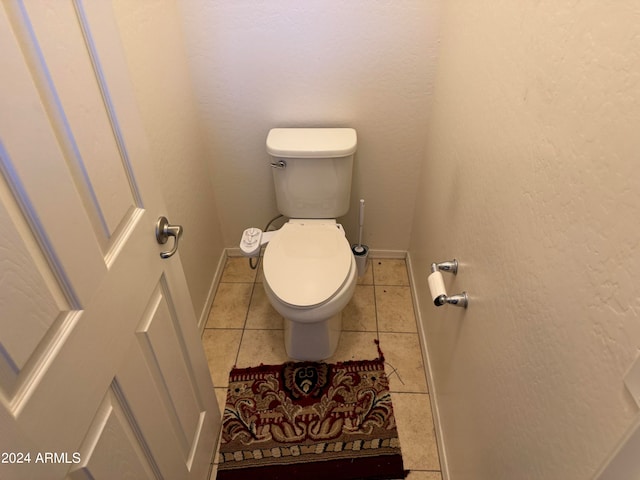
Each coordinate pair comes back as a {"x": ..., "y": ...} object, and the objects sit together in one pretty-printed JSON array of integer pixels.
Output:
[
  {"x": 364, "y": 64},
  {"x": 155, "y": 48},
  {"x": 531, "y": 179}
]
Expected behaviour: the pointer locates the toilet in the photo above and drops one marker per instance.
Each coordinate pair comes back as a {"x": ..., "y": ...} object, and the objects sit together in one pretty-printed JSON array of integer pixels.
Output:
[{"x": 310, "y": 273}]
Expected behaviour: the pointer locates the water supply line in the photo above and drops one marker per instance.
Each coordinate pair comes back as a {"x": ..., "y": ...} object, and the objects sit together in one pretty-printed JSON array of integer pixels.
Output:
[{"x": 266, "y": 229}]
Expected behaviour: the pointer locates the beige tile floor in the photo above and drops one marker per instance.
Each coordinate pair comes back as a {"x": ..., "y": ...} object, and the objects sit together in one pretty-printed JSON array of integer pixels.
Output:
[{"x": 244, "y": 330}]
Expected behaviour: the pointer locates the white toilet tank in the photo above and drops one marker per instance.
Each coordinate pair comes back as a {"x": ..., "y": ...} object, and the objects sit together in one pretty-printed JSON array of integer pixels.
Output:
[{"x": 312, "y": 170}]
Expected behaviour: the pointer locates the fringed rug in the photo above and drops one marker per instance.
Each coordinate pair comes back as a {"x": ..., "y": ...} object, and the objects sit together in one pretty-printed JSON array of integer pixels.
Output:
[{"x": 311, "y": 421}]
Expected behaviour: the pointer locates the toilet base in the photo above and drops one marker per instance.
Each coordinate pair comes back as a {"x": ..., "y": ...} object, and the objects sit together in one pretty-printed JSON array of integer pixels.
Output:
[{"x": 312, "y": 341}]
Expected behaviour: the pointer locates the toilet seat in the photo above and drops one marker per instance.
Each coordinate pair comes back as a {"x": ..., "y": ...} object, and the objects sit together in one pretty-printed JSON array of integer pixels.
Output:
[{"x": 307, "y": 262}]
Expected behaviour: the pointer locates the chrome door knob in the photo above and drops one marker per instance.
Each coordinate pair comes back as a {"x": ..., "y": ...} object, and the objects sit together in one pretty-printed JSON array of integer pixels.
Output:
[{"x": 163, "y": 231}]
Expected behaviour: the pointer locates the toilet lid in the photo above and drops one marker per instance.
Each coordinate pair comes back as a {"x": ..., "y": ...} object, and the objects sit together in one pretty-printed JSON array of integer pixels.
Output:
[{"x": 306, "y": 263}]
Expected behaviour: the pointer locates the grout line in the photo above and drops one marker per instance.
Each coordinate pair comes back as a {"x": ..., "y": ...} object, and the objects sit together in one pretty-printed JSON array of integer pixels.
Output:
[
  {"x": 375, "y": 304},
  {"x": 401, "y": 392},
  {"x": 246, "y": 316},
  {"x": 224, "y": 328},
  {"x": 413, "y": 332}
]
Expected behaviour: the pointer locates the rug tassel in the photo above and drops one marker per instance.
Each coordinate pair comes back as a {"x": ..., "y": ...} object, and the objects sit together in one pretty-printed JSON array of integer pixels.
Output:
[{"x": 379, "y": 349}]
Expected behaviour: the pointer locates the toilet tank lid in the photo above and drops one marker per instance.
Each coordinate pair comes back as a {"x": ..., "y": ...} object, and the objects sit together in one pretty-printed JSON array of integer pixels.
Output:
[{"x": 311, "y": 142}]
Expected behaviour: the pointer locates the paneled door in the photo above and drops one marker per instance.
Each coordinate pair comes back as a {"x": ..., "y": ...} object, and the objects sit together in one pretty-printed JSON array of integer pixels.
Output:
[{"x": 102, "y": 374}]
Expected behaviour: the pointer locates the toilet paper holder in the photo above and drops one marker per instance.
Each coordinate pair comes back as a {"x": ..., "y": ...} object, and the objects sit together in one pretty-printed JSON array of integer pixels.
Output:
[
  {"x": 448, "y": 266},
  {"x": 436, "y": 285}
]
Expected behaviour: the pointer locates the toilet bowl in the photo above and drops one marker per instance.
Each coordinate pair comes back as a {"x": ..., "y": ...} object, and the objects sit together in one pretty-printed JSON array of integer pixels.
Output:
[{"x": 310, "y": 275}]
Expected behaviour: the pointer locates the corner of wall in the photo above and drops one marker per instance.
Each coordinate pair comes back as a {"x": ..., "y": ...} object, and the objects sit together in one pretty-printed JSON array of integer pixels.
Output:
[{"x": 204, "y": 313}]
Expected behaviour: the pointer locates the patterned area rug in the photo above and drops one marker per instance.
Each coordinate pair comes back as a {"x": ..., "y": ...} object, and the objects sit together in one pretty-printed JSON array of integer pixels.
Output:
[{"x": 311, "y": 421}]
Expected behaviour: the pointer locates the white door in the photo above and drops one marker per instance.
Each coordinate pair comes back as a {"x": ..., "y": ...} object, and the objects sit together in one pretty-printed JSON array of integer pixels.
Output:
[
  {"x": 623, "y": 463},
  {"x": 102, "y": 374}
]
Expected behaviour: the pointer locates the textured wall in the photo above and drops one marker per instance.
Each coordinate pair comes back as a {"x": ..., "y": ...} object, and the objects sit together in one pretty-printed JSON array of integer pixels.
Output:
[
  {"x": 531, "y": 178},
  {"x": 362, "y": 63},
  {"x": 155, "y": 49}
]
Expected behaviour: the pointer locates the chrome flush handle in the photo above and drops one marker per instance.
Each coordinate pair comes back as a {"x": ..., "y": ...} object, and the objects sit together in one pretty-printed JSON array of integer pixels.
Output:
[
  {"x": 280, "y": 164},
  {"x": 163, "y": 231}
]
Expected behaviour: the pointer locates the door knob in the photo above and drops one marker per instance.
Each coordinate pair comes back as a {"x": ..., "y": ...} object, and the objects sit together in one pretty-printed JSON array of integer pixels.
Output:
[{"x": 163, "y": 231}]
